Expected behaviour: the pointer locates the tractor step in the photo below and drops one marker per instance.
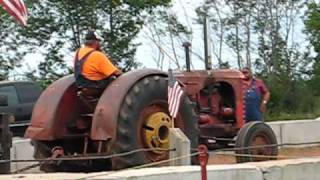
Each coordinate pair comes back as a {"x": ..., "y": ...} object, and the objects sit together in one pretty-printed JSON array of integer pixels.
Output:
[
  {"x": 87, "y": 115},
  {"x": 72, "y": 136}
]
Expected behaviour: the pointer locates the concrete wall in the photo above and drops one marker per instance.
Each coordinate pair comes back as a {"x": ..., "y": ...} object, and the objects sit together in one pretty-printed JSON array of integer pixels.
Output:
[
  {"x": 300, "y": 169},
  {"x": 286, "y": 132},
  {"x": 297, "y": 169},
  {"x": 22, "y": 149},
  {"x": 301, "y": 131}
]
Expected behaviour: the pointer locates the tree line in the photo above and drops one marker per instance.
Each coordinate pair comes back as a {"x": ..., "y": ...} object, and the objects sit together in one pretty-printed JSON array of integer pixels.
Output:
[{"x": 279, "y": 39}]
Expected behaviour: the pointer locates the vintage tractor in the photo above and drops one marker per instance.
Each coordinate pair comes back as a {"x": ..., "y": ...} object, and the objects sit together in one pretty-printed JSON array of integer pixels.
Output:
[{"x": 132, "y": 113}]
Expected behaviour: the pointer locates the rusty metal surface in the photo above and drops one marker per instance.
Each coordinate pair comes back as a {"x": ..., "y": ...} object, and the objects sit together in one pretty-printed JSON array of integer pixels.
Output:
[
  {"x": 235, "y": 79},
  {"x": 218, "y": 130},
  {"x": 227, "y": 74},
  {"x": 56, "y": 105},
  {"x": 105, "y": 117},
  {"x": 196, "y": 80},
  {"x": 217, "y": 73}
]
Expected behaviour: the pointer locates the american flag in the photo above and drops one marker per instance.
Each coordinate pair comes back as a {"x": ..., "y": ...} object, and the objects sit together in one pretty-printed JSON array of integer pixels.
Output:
[
  {"x": 175, "y": 93},
  {"x": 17, "y": 9}
]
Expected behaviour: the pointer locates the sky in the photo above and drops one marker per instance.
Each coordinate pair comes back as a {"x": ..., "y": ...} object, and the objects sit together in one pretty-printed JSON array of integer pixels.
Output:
[{"x": 185, "y": 10}]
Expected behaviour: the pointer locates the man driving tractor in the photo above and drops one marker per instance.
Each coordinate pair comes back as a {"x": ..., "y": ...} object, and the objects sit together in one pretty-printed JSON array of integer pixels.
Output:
[{"x": 92, "y": 68}]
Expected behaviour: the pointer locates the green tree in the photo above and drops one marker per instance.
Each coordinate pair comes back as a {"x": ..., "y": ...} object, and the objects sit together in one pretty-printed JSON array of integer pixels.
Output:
[
  {"x": 56, "y": 29},
  {"x": 167, "y": 35},
  {"x": 312, "y": 29},
  {"x": 10, "y": 54},
  {"x": 261, "y": 34}
]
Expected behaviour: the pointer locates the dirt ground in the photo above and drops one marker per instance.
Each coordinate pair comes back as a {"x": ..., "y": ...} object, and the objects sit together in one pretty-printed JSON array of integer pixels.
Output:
[{"x": 284, "y": 153}]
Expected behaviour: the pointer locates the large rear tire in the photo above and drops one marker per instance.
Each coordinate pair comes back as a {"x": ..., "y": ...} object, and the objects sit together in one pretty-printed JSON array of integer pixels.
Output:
[
  {"x": 143, "y": 122},
  {"x": 256, "y": 134}
]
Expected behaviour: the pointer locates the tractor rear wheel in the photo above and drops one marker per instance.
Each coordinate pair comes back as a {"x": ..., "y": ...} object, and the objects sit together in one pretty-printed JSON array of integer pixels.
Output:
[
  {"x": 144, "y": 123},
  {"x": 256, "y": 134}
]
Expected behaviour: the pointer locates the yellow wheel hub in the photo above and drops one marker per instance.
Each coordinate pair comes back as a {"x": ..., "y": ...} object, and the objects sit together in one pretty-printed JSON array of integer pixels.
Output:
[{"x": 156, "y": 131}]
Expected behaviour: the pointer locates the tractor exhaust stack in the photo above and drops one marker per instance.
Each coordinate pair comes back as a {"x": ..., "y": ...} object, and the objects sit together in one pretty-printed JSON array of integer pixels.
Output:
[
  {"x": 207, "y": 43},
  {"x": 186, "y": 46}
]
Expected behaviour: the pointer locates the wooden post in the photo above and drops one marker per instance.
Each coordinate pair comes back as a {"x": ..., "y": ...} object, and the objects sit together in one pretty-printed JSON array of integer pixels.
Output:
[
  {"x": 5, "y": 140},
  {"x": 181, "y": 144}
]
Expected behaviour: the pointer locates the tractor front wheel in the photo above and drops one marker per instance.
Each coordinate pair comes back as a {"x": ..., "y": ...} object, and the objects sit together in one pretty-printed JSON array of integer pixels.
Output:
[{"x": 256, "y": 141}]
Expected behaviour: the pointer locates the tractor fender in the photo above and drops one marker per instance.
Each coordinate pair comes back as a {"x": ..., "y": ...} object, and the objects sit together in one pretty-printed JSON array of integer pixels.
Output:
[
  {"x": 104, "y": 122},
  {"x": 55, "y": 106}
]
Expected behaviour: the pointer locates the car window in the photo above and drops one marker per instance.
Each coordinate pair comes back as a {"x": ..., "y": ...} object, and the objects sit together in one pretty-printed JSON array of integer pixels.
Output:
[
  {"x": 28, "y": 92},
  {"x": 11, "y": 93}
]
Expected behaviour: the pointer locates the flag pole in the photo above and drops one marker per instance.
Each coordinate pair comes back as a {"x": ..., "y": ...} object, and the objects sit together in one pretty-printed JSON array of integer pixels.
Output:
[
  {"x": 170, "y": 79},
  {"x": 175, "y": 95}
]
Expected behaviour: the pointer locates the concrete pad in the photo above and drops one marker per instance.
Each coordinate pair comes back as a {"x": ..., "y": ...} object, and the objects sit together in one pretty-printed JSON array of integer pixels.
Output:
[
  {"x": 297, "y": 131},
  {"x": 294, "y": 120},
  {"x": 180, "y": 142},
  {"x": 276, "y": 127},
  {"x": 22, "y": 149},
  {"x": 294, "y": 169},
  {"x": 52, "y": 176},
  {"x": 300, "y": 132},
  {"x": 225, "y": 172},
  {"x": 234, "y": 172}
]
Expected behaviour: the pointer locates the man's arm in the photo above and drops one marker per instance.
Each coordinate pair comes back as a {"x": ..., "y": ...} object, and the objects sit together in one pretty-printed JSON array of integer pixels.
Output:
[
  {"x": 265, "y": 97},
  {"x": 106, "y": 67},
  {"x": 117, "y": 72}
]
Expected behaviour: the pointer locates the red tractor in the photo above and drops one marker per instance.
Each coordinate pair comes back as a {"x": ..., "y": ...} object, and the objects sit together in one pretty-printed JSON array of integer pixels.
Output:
[{"x": 132, "y": 114}]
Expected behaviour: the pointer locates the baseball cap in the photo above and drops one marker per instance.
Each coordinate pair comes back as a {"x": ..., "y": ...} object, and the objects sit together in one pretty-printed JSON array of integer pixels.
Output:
[{"x": 93, "y": 35}]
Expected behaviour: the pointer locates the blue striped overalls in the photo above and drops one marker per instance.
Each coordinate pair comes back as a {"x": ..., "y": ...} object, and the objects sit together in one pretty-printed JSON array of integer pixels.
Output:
[{"x": 252, "y": 103}]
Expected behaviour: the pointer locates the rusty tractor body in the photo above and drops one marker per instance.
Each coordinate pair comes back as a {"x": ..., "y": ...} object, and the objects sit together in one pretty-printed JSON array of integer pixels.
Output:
[{"x": 132, "y": 114}]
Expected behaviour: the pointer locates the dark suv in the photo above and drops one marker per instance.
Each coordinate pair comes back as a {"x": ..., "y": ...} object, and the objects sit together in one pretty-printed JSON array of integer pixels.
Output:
[{"x": 21, "y": 97}]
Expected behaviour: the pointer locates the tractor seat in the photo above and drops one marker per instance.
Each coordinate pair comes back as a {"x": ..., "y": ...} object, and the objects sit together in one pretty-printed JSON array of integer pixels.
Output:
[
  {"x": 89, "y": 97},
  {"x": 89, "y": 93}
]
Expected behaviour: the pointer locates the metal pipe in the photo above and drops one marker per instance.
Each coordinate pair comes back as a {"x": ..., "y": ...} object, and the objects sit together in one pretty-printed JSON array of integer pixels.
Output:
[
  {"x": 203, "y": 160},
  {"x": 85, "y": 149},
  {"x": 186, "y": 46},
  {"x": 73, "y": 136},
  {"x": 207, "y": 47},
  {"x": 100, "y": 146}
]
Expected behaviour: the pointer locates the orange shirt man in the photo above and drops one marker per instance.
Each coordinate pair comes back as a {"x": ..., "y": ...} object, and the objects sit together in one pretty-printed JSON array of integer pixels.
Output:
[
  {"x": 98, "y": 66},
  {"x": 93, "y": 68}
]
